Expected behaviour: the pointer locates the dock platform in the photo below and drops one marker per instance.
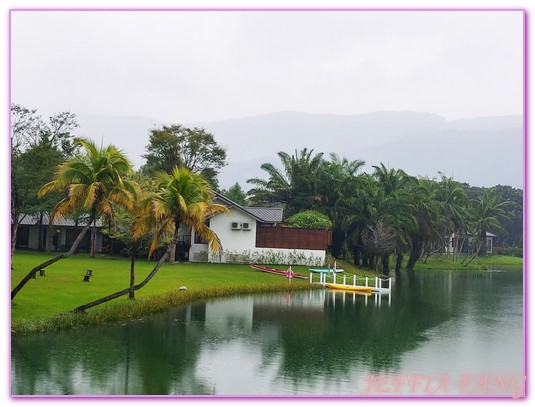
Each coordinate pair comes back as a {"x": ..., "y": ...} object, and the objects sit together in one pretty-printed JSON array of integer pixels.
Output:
[{"x": 367, "y": 287}]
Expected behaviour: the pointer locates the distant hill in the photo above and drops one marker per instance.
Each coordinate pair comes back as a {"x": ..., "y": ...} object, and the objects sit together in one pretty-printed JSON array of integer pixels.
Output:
[{"x": 480, "y": 151}]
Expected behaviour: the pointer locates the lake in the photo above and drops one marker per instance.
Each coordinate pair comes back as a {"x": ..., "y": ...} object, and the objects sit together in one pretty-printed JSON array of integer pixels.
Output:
[{"x": 437, "y": 333}]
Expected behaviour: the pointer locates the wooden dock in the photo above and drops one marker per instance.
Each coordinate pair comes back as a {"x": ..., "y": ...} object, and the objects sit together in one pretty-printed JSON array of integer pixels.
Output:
[{"x": 367, "y": 287}]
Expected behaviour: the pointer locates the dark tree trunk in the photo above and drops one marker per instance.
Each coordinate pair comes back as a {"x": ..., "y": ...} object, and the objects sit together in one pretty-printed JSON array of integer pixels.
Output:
[
  {"x": 40, "y": 233},
  {"x": 93, "y": 239},
  {"x": 132, "y": 270},
  {"x": 386, "y": 267},
  {"x": 399, "y": 261},
  {"x": 49, "y": 262},
  {"x": 338, "y": 238},
  {"x": 356, "y": 255},
  {"x": 172, "y": 245},
  {"x": 372, "y": 262},
  {"x": 172, "y": 251},
  {"x": 365, "y": 261},
  {"x": 48, "y": 248},
  {"x": 416, "y": 251},
  {"x": 482, "y": 243},
  {"x": 118, "y": 294},
  {"x": 14, "y": 230}
]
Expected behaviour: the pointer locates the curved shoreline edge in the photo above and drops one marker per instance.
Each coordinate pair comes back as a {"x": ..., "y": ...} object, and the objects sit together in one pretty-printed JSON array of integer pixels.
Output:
[{"x": 124, "y": 309}]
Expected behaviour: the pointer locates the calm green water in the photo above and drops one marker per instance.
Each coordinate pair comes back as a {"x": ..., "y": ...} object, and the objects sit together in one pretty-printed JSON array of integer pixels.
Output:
[{"x": 438, "y": 333}]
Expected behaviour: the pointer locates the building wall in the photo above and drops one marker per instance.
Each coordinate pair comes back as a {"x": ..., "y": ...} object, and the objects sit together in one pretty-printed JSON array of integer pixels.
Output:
[
  {"x": 33, "y": 238},
  {"x": 293, "y": 238},
  {"x": 232, "y": 240},
  {"x": 239, "y": 245},
  {"x": 300, "y": 257}
]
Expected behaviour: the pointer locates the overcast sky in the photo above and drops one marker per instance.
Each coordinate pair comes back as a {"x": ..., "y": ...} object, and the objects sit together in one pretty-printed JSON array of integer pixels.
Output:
[{"x": 180, "y": 66}]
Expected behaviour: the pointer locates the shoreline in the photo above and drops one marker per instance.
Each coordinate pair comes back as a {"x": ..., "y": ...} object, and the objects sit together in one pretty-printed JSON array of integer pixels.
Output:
[
  {"x": 160, "y": 298},
  {"x": 154, "y": 304}
]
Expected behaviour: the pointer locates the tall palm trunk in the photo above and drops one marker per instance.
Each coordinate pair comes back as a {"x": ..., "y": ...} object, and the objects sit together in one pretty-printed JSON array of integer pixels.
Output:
[
  {"x": 455, "y": 246},
  {"x": 48, "y": 247},
  {"x": 132, "y": 269},
  {"x": 399, "y": 262},
  {"x": 385, "y": 259},
  {"x": 172, "y": 245},
  {"x": 93, "y": 239},
  {"x": 40, "y": 233},
  {"x": 416, "y": 251},
  {"x": 482, "y": 242},
  {"x": 14, "y": 230}
]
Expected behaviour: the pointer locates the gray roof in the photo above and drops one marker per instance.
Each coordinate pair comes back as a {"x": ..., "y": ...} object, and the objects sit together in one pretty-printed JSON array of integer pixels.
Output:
[
  {"x": 267, "y": 214},
  {"x": 31, "y": 220}
]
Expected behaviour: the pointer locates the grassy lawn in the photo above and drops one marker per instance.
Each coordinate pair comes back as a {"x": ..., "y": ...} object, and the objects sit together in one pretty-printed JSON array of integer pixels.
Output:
[
  {"x": 62, "y": 289},
  {"x": 441, "y": 262}
]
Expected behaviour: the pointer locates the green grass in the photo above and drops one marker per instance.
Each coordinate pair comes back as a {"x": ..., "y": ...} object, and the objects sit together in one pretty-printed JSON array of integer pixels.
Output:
[
  {"x": 63, "y": 289},
  {"x": 126, "y": 309},
  {"x": 43, "y": 304},
  {"x": 442, "y": 262}
]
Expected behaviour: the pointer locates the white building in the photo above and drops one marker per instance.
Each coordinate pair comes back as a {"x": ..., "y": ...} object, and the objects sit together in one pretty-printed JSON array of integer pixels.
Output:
[{"x": 256, "y": 235}]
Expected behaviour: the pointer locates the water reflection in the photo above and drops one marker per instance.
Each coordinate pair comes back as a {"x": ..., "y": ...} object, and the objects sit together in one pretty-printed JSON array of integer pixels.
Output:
[{"x": 317, "y": 342}]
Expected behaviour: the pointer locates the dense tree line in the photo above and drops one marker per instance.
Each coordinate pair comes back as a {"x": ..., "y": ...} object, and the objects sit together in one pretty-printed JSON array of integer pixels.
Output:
[
  {"x": 387, "y": 212},
  {"x": 375, "y": 216}
]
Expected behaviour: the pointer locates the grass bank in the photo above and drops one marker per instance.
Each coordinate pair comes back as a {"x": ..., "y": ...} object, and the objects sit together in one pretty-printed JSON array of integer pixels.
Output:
[
  {"x": 443, "y": 262},
  {"x": 43, "y": 304},
  {"x": 126, "y": 309}
]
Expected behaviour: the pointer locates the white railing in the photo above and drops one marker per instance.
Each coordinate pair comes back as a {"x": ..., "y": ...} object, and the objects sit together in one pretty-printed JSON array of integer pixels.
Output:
[{"x": 378, "y": 282}]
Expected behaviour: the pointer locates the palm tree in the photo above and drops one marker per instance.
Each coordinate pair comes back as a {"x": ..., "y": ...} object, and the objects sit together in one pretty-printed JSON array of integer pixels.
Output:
[
  {"x": 425, "y": 209},
  {"x": 294, "y": 185},
  {"x": 453, "y": 203},
  {"x": 92, "y": 182},
  {"x": 486, "y": 214},
  {"x": 181, "y": 197},
  {"x": 380, "y": 216}
]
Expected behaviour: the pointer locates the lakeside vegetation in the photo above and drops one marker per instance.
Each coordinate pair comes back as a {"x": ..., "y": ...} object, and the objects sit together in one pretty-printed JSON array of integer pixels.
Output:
[
  {"x": 45, "y": 305},
  {"x": 377, "y": 219}
]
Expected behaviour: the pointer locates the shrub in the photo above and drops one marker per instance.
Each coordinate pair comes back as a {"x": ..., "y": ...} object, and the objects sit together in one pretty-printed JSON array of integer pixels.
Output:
[
  {"x": 310, "y": 220},
  {"x": 508, "y": 251}
]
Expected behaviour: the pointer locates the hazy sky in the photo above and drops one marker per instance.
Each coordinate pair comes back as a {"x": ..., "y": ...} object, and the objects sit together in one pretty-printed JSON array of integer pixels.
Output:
[{"x": 184, "y": 66}]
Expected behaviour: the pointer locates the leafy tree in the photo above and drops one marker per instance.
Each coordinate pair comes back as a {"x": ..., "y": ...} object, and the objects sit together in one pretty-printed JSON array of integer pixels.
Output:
[
  {"x": 182, "y": 197},
  {"x": 36, "y": 148},
  {"x": 453, "y": 205},
  {"x": 337, "y": 183},
  {"x": 428, "y": 232},
  {"x": 26, "y": 127},
  {"x": 310, "y": 220},
  {"x": 295, "y": 185},
  {"x": 93, "y": 182},
  {"x": 514, "y": 226},
  {"x": 235, "y": 193},
  {"x": 28, "y": 174},
  {"x": 179, "y": 146},
  {"x": 486, "y": 214}
]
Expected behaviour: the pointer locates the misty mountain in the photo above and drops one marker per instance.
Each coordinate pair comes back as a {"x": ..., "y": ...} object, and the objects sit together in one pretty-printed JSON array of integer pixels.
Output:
[{"x": 480, "y": 151}]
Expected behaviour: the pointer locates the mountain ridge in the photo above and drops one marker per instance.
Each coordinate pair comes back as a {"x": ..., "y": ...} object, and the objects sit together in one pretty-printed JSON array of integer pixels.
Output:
[{"x": 482, "y": 151}]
